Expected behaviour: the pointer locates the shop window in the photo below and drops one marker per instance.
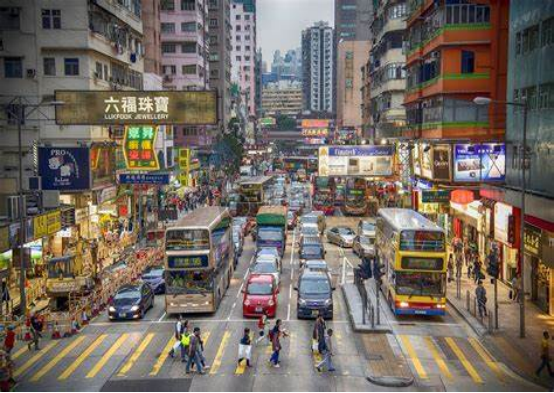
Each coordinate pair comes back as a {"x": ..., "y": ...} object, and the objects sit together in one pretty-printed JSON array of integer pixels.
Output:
[{"x": 468, "y": 62}]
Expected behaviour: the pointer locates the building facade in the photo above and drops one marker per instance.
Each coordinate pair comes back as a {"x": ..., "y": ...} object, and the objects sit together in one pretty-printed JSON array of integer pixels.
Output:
[
  {"x": 456, "y": 51},
  {"x": 151, "y": 20},
  {"x": 387, "y": 69},
  {"x": 318, "y": 63},
  {"x": 352, "y": 18},
  {"x": 219, "y": 27},
  {"x": 283, "y": 98}
]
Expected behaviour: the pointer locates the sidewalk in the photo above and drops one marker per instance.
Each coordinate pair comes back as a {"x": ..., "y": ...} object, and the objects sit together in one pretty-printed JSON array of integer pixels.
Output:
[{"x": 521, "y": 354}]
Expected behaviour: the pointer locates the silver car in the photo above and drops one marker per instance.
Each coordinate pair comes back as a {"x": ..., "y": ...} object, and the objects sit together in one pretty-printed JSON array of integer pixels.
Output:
[
  {"x": 341, "y": 236},
  {"x": 364, "y": 246}
]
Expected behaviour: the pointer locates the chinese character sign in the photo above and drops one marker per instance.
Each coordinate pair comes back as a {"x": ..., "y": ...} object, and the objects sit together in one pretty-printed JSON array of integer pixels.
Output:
[{"x": 138, "y": 148}]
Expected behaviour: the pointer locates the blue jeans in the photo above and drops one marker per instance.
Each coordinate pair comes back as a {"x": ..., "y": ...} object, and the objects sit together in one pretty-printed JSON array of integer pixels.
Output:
[
  {"x": 197, "y": 362},
  {"x": 275, "y": 357},
  {"x": 326, "y": 361},
  {"x": 184, "y": 351}
]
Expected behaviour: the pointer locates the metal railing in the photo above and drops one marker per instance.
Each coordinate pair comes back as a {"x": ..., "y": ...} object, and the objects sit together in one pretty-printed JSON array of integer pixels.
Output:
[{"x": 483, "y": 314}]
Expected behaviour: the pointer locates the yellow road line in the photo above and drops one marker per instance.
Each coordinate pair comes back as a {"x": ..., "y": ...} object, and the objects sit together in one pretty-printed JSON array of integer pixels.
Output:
[
  {"x": 163, "y": 356},
  {"x": 136, "y": 355},
  {"x": 29, "y": 363},
  {"x": 73, "y": 366},
  {"x": 206, "y": 337},
  {"x": 50, "y": 365},
  {"x": 219, "y": 355},
  {"x": 486, "y": 356},
  {"x": 467, "y": 365},
  {"x": 413, "y": 356},
  {"x": 107, "y": 356},
  {"x": 20, "y": 352},
  {"x": 438, "y": 359}
]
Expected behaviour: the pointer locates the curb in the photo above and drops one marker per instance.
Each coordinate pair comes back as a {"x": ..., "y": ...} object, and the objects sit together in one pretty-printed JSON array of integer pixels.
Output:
[
  {"x": 391, "y": 382},
  {"x": 478, "y": 329},
  {"x": 362, "y": 328}
]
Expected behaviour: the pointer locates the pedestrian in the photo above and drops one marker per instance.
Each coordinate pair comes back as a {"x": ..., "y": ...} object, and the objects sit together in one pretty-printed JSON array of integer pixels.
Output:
[
  {"x": 35, "y": 327},
  {"x": 545, "y": 355},
  {"x": 459, "y": 265},
  {"x": 178, "y": 331},
  {"x": 275, "y": 336},
  {"x": 263, "y": 327},
  {"x": 451, "y": 268},
  {"x": 245, "y": 347},
  {"x": 193, "y": 349},
  {"x": 481, "y": 295},
  {"x": 515, "y": 289},
  {"x": 185, "y": 342},
  {"x": 319, "y": 333},
  {"x": 327, "y": 353},
  {"x": 9, "y": 340}
]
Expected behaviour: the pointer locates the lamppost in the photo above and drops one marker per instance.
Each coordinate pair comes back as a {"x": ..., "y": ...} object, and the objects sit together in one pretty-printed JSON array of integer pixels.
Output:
[
  {"x": 17, "y": 110},
  {"x": 488, "y": 101}
]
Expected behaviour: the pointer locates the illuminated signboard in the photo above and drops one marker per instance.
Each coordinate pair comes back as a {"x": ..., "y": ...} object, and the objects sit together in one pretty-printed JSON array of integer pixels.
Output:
[
  {"x": 482, "y": 162},
  {"x": 136, "y": 107},
  {"x": 315, "y": 123},
  {"x": 315, "y": 132},
  {"x": 182, "y": 262},
  {"x": 138, "y": 148},
  {"x": 366, "y": 160},
  {"x": 268, "y": 121}
]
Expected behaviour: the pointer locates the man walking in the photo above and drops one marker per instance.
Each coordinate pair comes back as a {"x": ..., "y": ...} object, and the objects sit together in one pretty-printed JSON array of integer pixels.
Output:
[
  {"x": 327, "y": 353},
  {"x": 193, "y": 349},
  {"x": 481, "y": 295},
  {"x": 545, "y": 355},
  {"x": 178, "y": 331},
  {"x": 275, "y": 336},
  {"x": 319, "y": 332}
]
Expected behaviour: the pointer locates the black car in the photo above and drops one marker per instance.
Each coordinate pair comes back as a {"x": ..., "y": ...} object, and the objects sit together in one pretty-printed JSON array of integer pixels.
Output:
[
  {"x": 131, "y": 302},
  {"x": 315, "y": 295}
]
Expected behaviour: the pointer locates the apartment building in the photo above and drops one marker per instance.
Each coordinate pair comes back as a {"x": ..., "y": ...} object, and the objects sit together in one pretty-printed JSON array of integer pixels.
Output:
[
  {"x": 151, "y": 21},
  {"x": 352, "y": 18},
  {"x": 283, "y": 97}
]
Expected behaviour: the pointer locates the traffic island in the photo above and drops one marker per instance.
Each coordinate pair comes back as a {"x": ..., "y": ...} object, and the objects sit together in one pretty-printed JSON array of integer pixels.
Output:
[{"x": 354, "y": 305}]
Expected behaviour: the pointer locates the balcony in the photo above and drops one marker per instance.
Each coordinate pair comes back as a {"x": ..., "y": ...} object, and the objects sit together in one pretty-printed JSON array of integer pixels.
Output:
[{"x": 451, "y": 83}]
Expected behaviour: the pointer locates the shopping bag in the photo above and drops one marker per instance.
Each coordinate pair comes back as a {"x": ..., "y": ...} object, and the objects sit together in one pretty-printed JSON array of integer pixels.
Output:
[
  {"x": 315, "y": 345},
  {"x": 176, "y": 345},
  {"x": 242, "y": 351}
]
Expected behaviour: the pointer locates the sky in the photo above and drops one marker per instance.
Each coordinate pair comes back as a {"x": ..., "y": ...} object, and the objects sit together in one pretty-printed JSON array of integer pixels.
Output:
[{"x": 280, "y": 22}]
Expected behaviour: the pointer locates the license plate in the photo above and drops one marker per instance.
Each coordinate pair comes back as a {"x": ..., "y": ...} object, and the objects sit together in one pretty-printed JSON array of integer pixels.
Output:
[
  {"x": 121, "y": 315},
  {"x": 315, "y": 313},
  {"x": 258, "y": 309},
  {"x": 420, "y": 312}
]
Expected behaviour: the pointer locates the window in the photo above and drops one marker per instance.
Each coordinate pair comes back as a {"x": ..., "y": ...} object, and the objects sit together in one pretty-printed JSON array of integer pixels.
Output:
[
  {"x": 188, "y": 26},
  {"x": 169, "y": 47},
  {"x": 213, "y": 4},
  {"x": 246, "y": 17},
  {"x": 530, "y": 39},
  {"x": 213, "y": 57},
  {"x": 188, "y": 5},
  {"x": 468, "y": 62},
  {"x": 213, "y": 22},
  {"x": 13, "y": 67},
  {"x": 51, "y": 19},
  {"x": 168, "y": 28},
  {"x": 106, "y": 72},
  {"x": 247, "y": 27},
  {"x": 247, "y": 38},
  {"x": 189, "y": 69},
  {"x": 348, "y": 7},
  {"x": 518, "y": 43},
  {"x": 246, "y": 58},
  {"x": 188, "y": 47},
  {"x": 98, "y": 73},
  {"x": 213, "y": 40},
  {"x": 239, "y": 58},
  {"x": 169, "y": 69},
  {"x": 547, "y": 32},
  {"x": 238, "y": 48},
  {"x": 247, "y": 48},
  {"x": 168, "y": 5},
  {"x": 237, "y": 17},
  {"x": 49, "y": 64},
  {"x": 238, "y": 28},
  {"x": 71, "y": 66},
  {"x": 238, "y": 38},
  {"x": 9, "y": 18}
]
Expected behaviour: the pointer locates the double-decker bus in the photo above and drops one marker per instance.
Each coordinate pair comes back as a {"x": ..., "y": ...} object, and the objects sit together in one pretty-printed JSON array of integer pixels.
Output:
[
  {"x": 198, "y": 261},
  {"x": 355, "y": 200},
  {"x": 253, "y": 192},
  {"x": 324, "y": 194},
  {"x": 412, "y": 252}
]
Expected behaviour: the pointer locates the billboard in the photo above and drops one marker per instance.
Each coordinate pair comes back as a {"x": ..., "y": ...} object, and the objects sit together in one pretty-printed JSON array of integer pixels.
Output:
[
  {"x": 85, "y": 107},
  {"x": 366, "y": 160},
  {"x": 64, "y": 168},
  {"x": 315, "y": 132},
  {"x": 416, "y": 160},
  {"x": 144, "y": 178},
  {"x": 102, "y": 165},
  {"x": 479, "y": 162},
  {"x": 315, "y": 123},
  {"x": 441, "y": 162},
  {"x": 425, "y": 155},
  {"x": 138, "y": 148}
]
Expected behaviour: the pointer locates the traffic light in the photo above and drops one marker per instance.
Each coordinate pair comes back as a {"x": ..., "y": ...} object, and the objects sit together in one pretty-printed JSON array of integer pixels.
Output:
[{"x": 493, "y": 269}]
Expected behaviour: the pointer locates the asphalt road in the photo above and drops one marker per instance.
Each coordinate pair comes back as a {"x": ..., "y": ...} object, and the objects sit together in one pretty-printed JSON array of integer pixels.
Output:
[{"x": 443, "y": 353}]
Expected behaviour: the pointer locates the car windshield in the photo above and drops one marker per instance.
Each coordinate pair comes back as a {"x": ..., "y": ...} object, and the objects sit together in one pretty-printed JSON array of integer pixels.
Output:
[
  {"x": 315, "y": 287},
  {"x": 257, "y": 288},
  {"x": 264, "y": 267},
  {"x": 368, "y": 226},
  {"x": 274, "y": 235},
  {"x": 311, "y": 250},
  {"x": 310, "y": 230},
  {"x": 309, "y": 219},
  {"x": 316, "y": 265},
  {"x": 346, "y": 231},
  {"x": 420, "y": 284},
  {"x": 268, "y": 251},
  {"x": 128, "y": 293},
  {"x": 153, "y": 273}
]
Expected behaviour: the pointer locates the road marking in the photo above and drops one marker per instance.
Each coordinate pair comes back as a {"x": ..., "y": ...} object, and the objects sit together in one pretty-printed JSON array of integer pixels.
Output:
[
  {"x": 50, "y": 365},
  {"x": 20, "y": 352},
  {"x": 288, "y": 312},
  {"x": 162, "y": 317},
  {"x": 73, "y": 366},
  {"x": 467, "y": 365},
  {"x": 136, "y": 355},
  {"x": 107, "y": 356},
  {"x": 438, "y": 359},
  {"x": 199, "y": 320},
  {"x": 240, "y": 290},
  {"x": 29, "y": 363},
  {"x": 232, "y": 309},
  {"x": 219, "y": 355},
  {"x": 163, "y": 356},
  {"x": 413, "y": 356},
  {"x": 486, "y": 356}
]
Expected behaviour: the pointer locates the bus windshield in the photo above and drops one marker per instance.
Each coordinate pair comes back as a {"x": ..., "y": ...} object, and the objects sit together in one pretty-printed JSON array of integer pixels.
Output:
[
  {"x": 414, "y": 240},
  {"x": 271, "y": 234},
  {"x": 187, "y": 239},
  {"x": 188, "y": 282},
  {"x": 420, "y": 284}
]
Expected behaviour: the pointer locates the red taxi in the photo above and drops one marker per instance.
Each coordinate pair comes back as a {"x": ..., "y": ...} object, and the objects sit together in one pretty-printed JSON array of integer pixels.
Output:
[{"x": 259, "y": 296}]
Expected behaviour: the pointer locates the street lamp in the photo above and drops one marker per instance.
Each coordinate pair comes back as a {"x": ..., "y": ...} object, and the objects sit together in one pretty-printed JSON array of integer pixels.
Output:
[{"x": 487, "y": 101}]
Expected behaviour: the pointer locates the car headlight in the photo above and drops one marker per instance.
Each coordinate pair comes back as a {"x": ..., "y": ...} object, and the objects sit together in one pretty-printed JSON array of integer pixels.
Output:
[
  {"x": 271, "y": 303},
  {"x": 247, "y": 302},
  {"x": 327, "y": 302},
  {"x": 302, "y": 302},
  {"x": 111, "y": 309},
  {"x": 135, "y": 308}
]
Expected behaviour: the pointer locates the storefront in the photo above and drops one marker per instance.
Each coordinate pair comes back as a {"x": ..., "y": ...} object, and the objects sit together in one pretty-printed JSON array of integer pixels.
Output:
[
  {"x": 435, "y": 205},
  {"x": 468, "y": 223},
  {"x": 506, "y": 219}
]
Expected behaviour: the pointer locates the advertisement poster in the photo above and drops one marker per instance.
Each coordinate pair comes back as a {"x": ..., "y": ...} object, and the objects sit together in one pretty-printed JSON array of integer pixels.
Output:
[
  {"x": 484, "y": 162},
  {"x": 441, "y": 162},
  {"x": 138, "y": 148},
  {"x": 426, "y": 161},
  {"x": 502, "y": 215},
  {"x": 102, "y": 165},
  {"x": 356, "y": 160},
  {"x": 64, "y": 168},
  {"x": 416, "y": 160}
]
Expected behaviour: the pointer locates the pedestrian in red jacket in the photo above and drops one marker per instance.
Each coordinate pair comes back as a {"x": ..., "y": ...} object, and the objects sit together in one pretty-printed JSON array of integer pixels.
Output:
[{"x": 9, "y": 341}]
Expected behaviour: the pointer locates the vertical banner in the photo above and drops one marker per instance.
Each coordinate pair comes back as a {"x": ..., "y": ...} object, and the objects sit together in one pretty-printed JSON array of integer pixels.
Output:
[{"x": 138, "y": 148}]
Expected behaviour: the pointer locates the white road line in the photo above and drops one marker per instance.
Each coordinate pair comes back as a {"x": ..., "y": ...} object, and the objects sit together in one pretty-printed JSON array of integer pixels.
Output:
[
  {"x": 162, "y": 317},
  {"x": 232, "y": 309},
  {"x": 240, "y": 290},
  {"x": 288, "y": 312},
  {"x": 201, "y": 320},
  {"x": 290, "y": 291}
]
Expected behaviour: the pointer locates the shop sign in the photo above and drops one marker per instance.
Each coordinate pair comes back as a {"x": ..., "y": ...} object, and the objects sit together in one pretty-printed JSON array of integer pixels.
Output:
[
  {"x": 145, "y": 178},
  {"x": 532, "y": 239},
  {"x": 138, "y": 148},
  {"x": 64, "y": 168},
  {"x": 548, "y": 248},
  {"x": 416, "y": 159},
  {"x": 81, "y": 214},
  {"x": 46, "y": 224},
  {"x": 314, "y": 141},
  {"x": 479, "y": 162},
  {"x": 363, "y": 160},
  {"x": 426, "y": 154},
  {"x": 502, "y": 218},
  {"x": 268, "y": 121},
  {"x": 62, "y": 286},
  {"x": 106, "y": 194},
  {"x": 136, "y": 107},
  {"x": 435, "y": 196},
  {"x": 102, "y": 165},
  {"x": 315, "y": 123},
  {"x": 4, "y": 239},
  {"x": 441, "y": 162},
  {"x": 315, "y": 132}
]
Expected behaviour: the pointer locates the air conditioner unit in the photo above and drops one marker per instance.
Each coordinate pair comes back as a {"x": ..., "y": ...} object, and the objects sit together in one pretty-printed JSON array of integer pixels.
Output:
[{"x": 31, "y": 73}]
